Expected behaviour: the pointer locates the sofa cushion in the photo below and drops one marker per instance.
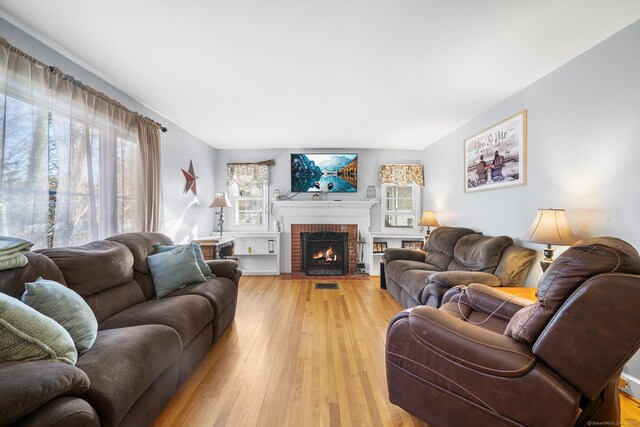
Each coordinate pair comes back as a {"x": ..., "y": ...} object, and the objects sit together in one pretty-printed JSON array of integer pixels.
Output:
[
  {"x": 204, "y": 268},
  {"x": 476, "y": 252},
  {"x": 123, "y": 363},
  {"x": 65, "y": 307},
  {"x": 25, "y": 386},
  {"x": 101, "y": 272},
  {"x": 174, "y": 269},
  {"x": 441, "y": 243},
  {"x": 12, "y": 281},
  {"x": 396, "y": 269},
  {"x": 93, "y": 267},
  {"x": 26, "y": 334},
  {"x": 219, "y": 291},
  {"x": 187, "y": 315},
  {"x": 141, "y": 245},
  {"x": 414, "y": 281}
]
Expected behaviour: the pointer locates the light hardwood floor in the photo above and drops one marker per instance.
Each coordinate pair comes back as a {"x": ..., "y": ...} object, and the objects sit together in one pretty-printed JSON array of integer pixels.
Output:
[{"x": 297, "y": 356}]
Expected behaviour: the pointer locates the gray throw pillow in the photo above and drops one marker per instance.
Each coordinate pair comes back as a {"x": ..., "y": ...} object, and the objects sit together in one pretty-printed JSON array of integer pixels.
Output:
[
  {"x": 174, "y": 270},
  {"x": 66, "y": 307},
  {"x": 206, "y": 271},
  {"x": 26, "y": 334}
]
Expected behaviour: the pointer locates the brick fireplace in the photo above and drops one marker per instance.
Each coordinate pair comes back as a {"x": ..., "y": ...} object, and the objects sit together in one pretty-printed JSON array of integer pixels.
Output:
[
  {"x": 337, "y": 216},
  {"x": 296, "y": 247}
]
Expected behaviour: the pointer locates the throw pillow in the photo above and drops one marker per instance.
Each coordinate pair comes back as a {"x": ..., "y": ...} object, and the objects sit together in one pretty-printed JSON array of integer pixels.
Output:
[
  {"x": 65, "y": 307},
  {"x": 26, "y": 334},
  {"x": 174, "y": 270},
  {"x": 206, "y": 271}
]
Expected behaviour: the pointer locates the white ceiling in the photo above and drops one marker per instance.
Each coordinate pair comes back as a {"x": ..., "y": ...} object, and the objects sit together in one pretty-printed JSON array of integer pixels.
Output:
[{"x": 321, "y": 73}]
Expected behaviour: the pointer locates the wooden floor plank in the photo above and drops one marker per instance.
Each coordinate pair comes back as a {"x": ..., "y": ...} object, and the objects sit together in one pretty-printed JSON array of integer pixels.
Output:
[{"x": 297, "y": 356}]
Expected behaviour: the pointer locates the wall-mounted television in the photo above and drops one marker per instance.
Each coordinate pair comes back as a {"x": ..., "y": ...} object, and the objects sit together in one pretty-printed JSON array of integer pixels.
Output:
[{"x": 325, "y": 172}]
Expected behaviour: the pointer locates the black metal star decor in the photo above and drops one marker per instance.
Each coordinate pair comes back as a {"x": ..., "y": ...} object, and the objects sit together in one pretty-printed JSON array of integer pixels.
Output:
[{"x": 191, "y": 179}]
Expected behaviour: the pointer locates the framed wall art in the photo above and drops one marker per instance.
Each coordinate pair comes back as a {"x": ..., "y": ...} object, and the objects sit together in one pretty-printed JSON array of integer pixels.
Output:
[
  {"x": 379, "y": 247},
  {"x": 497, "y": 157},
  {"x": 412, "y": 244}
]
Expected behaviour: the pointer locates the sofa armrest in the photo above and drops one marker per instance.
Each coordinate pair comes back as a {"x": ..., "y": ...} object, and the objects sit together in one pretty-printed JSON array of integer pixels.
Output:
[
  {"x": 25, "y": 386},
  {"x": 489, "y": 300},
  {"x": 469, "y": 345},
  {"x": 223, "y": 267},
  {"x": 392, "y": 254},
  {"x": 62, "y": 412},
  {"x": 451, "y": 279}
]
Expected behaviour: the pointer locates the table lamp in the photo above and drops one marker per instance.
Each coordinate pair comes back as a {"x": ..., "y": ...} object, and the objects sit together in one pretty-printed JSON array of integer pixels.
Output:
[
  {"x": 550, "y": 227},
  {"x": 428, "y": 220},
  {"x": 220, "y": 201}
]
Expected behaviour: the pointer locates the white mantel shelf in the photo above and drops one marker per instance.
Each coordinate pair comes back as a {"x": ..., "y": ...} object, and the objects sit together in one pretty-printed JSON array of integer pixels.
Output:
[
  {"x": 325, "y": 204},
  {"x": 321, "y": 212}
]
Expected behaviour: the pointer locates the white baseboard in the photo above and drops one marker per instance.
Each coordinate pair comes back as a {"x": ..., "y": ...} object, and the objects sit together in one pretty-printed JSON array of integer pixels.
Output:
[{"x": 633, "y": 388}]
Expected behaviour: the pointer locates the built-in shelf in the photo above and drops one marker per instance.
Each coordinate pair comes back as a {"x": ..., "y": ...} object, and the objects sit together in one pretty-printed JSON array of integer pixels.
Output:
[
  {"x": 393, "y": 240},
  {"x": 260, "y": 261}
]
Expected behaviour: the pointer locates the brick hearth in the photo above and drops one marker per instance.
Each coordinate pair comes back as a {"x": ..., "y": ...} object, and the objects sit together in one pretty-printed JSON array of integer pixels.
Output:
[{"x": 296, "y": 251}]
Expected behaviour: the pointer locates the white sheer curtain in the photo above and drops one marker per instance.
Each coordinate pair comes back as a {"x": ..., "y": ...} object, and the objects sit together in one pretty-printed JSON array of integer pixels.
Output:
[
  {"x": 95, "y": 144},
  {"x": 24, "y": 97},
  {"x": 75, "y": 165}
]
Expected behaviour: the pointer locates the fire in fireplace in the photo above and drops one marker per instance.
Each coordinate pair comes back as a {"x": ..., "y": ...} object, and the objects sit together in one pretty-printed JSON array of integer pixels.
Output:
[{"x": 325, "y": 253}]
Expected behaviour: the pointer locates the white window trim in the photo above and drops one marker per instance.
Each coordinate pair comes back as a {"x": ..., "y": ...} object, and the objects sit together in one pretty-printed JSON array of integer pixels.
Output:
[
  {"x": 416, "y": 194},
  {"x": 233, "y": 226}
]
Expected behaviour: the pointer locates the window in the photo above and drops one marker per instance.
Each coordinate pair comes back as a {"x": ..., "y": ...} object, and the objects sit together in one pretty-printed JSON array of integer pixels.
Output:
[
  {"x": 400, "y": 199},
  {"x": 247, "y": 184},
  {"x": 68, "y": 157},
  {"x": 400, "y": 206},
  {"x": 249, "y": 205}
]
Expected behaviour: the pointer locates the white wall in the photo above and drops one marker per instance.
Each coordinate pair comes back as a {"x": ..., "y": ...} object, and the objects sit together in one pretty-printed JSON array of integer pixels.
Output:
[
  {"x": 583, "y": 151},
  {"x": 183, "y": 216},
  {"x": 583, "y": 154},
  {"x": 369, "y": 162}
]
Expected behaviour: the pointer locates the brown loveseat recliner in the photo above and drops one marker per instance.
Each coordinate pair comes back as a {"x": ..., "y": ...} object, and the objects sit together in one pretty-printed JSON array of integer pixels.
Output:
[
  {"x": 453, "y": 256},
  {"x": 486, "y": 358},
  {"x": 145, "y": 348}
]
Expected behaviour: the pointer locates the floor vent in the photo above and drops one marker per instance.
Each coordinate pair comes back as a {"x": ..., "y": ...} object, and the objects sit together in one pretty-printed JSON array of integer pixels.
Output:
[{"x": 326, "y": 286}]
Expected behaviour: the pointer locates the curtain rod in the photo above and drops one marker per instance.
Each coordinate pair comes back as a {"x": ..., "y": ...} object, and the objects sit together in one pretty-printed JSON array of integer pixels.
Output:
[
  {"x": 271, "y": 162},
  {"x": 56, "y": 70}
]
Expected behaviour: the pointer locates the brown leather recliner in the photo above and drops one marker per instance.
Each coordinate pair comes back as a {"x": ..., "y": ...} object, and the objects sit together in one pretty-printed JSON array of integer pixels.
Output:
[{"x": 486, "y": 358}]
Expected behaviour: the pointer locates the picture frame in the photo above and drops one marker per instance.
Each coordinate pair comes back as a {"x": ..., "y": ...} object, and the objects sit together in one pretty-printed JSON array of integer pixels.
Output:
[
  {"x": 497, "y": 156},
  {"x": 379, "y": 247},
  {"x": 412, "y": 244}
]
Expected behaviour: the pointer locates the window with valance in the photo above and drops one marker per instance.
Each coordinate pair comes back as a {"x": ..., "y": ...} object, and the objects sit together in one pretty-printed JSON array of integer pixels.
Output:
[
  {"x": 400, "y": 186},
  {"x": 248, "y": 186},
  {"x": 402, "y": 175}
]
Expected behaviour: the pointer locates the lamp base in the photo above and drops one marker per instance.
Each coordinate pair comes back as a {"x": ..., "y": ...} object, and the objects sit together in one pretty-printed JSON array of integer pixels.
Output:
[
  {"x": 221, "y": 221},
  {"x": 548, "y": 258},
  {"x": 545, "y": 264}
]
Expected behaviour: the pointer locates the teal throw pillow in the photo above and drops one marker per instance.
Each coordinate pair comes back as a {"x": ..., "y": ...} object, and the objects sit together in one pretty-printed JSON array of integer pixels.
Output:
[
  {"x": 206, "y": 271},
  {"x": 26, "y": 334},
  {"x": 174, "y": 270},
  {"x": 66, "y": 307}
]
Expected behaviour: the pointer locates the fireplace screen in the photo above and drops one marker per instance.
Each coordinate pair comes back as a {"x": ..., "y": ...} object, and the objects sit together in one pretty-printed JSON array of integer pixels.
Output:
[{"x": 324, "y": 253}]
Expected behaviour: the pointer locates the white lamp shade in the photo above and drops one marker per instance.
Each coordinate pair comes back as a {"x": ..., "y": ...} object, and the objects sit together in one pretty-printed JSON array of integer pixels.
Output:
[
  {"x": 428, "y": 219},
  {"x": 551, "y": 227},
  {"x": 220, "y": 201}
]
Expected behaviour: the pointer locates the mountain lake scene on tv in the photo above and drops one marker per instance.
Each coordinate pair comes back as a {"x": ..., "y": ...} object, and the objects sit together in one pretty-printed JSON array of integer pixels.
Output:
[{"x": 324, "y": 173}]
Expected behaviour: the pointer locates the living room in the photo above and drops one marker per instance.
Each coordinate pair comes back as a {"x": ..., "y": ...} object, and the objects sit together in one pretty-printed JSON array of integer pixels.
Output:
[{"x": 566, "y": 73}]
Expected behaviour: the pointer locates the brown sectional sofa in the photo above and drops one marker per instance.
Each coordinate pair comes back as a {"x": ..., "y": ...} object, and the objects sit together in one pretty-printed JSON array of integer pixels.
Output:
[
  {"x": 146, "y": 347},
  {"x": 453, "y": 256}
]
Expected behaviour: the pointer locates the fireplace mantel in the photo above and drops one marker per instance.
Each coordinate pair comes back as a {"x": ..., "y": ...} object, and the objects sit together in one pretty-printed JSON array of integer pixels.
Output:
[
  {"x": 356, "y": 212},
  {"x": 330, "y": 204}
]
